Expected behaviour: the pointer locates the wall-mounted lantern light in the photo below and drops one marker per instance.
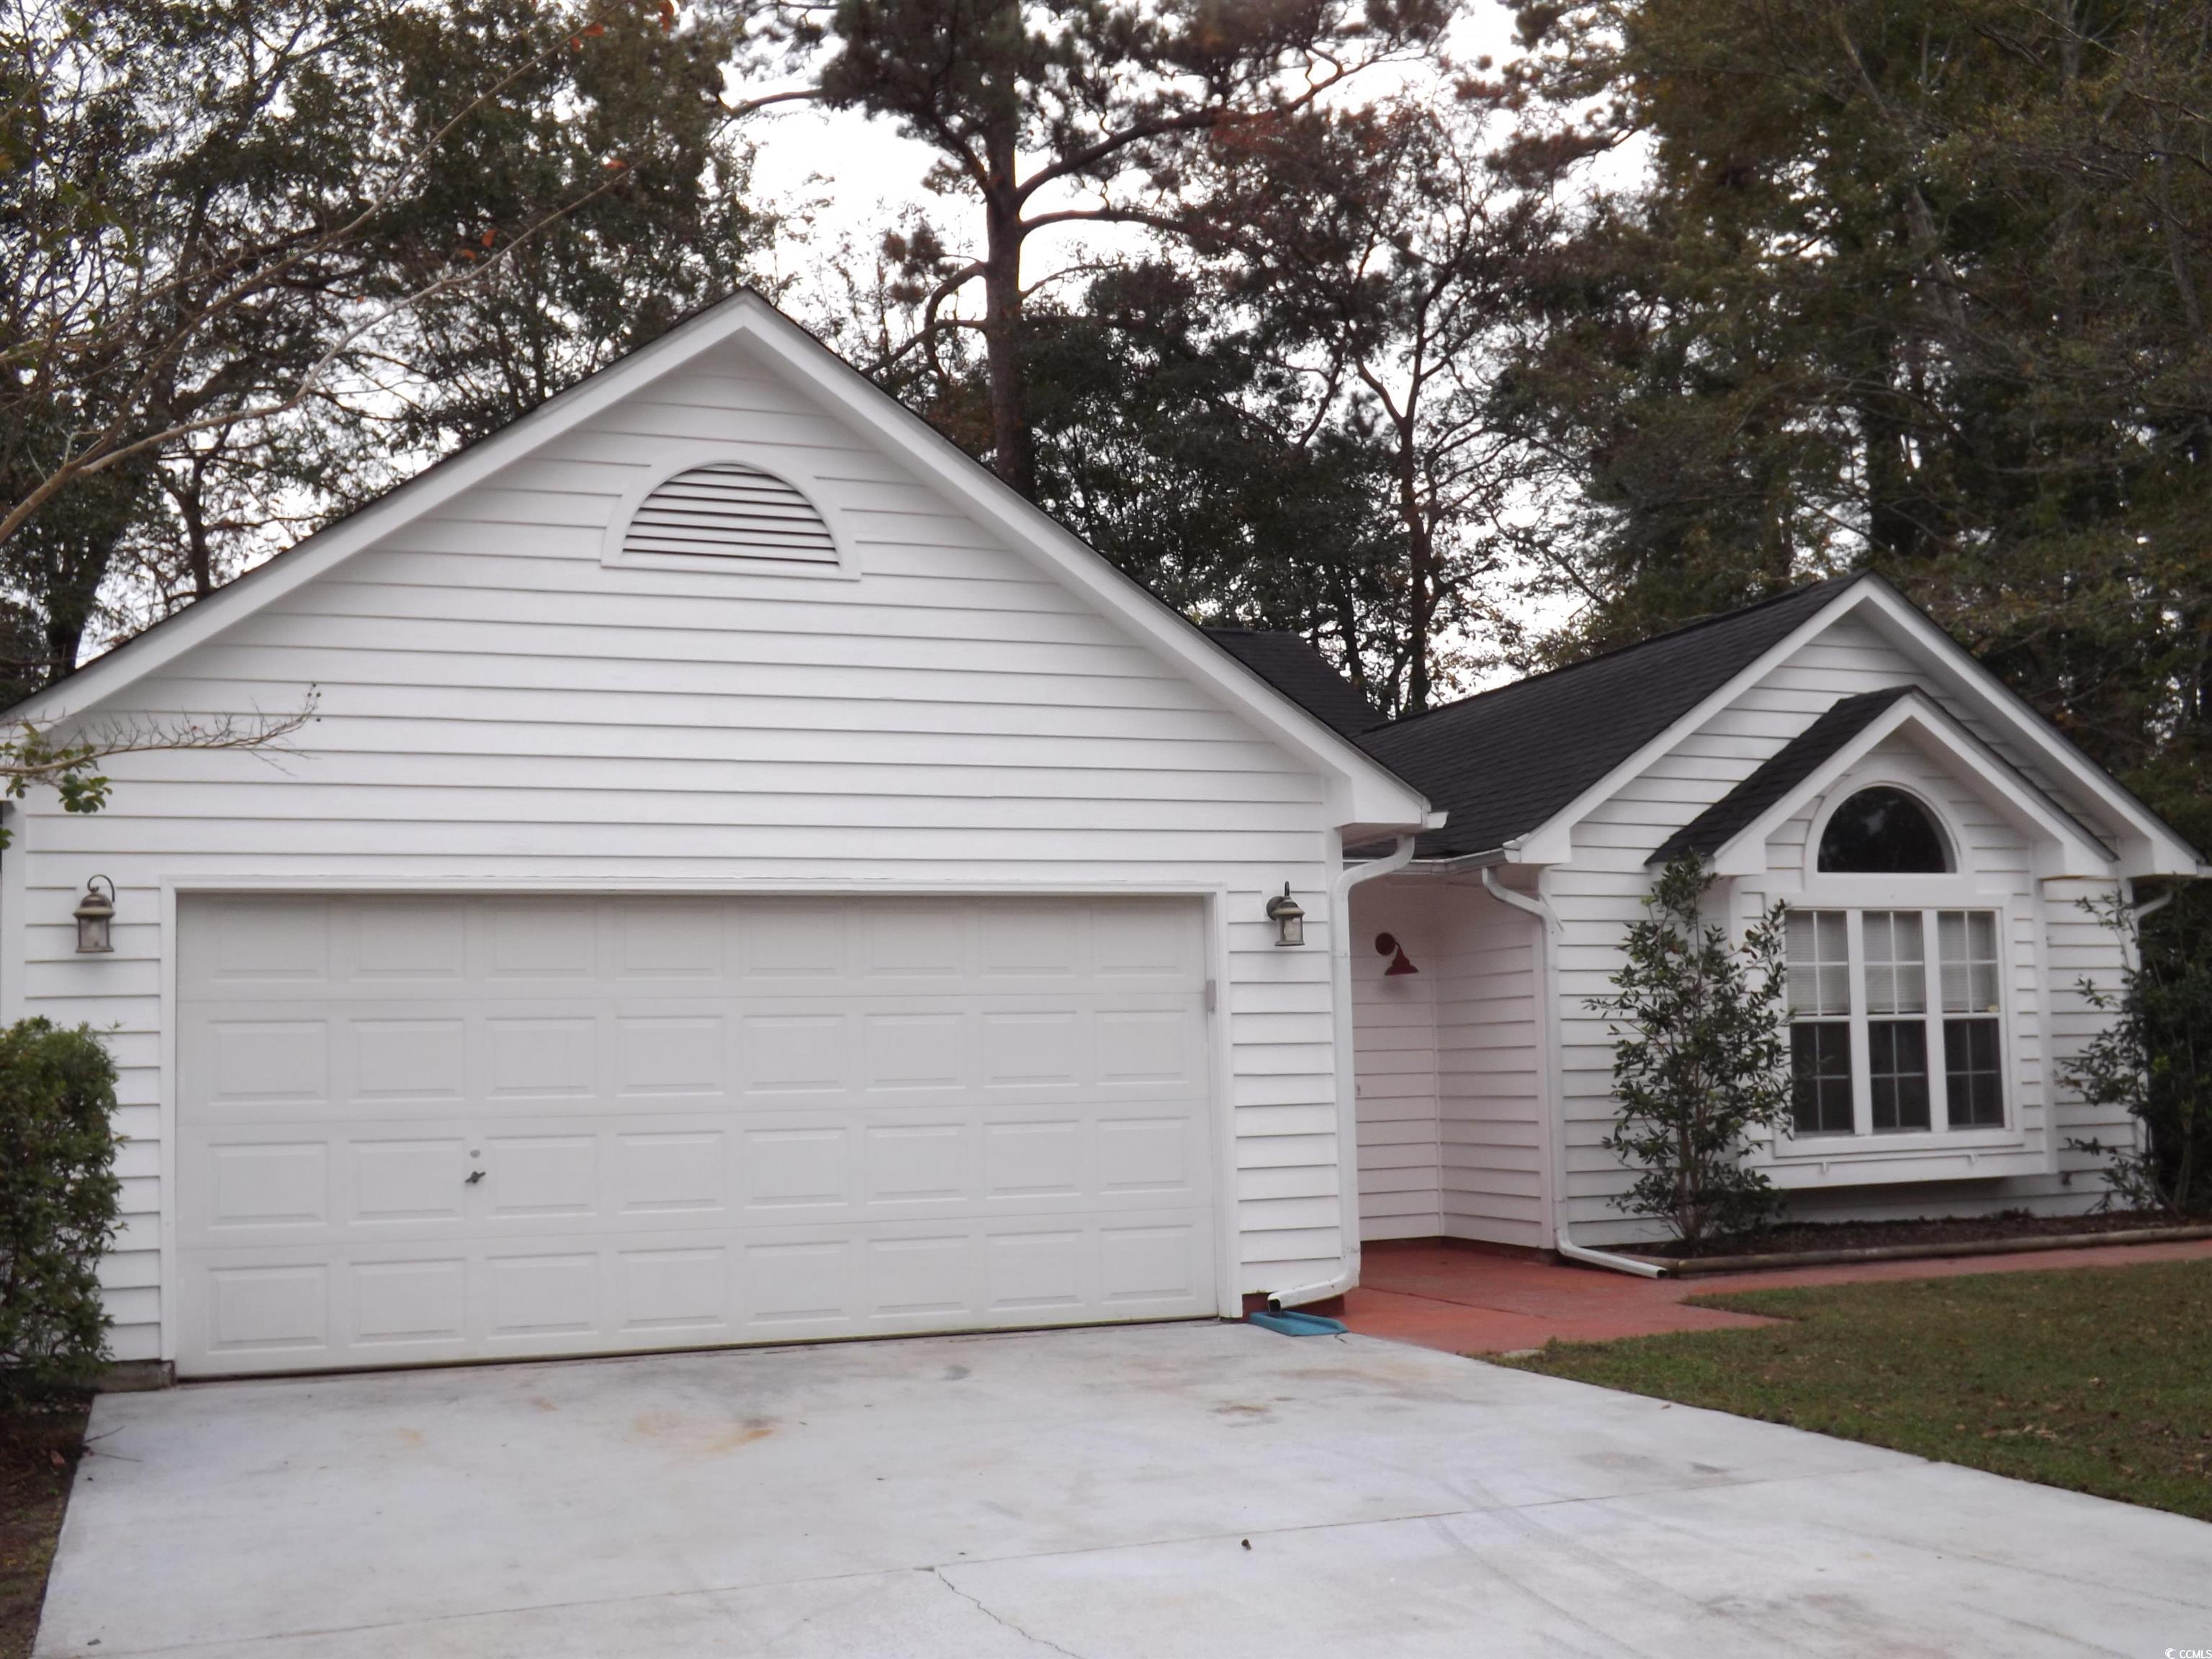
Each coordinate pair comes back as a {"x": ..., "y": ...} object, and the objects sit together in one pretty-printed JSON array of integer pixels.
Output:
[
  {"x": 1289, "y": 917},
  {"x": 94, "y": 911},
  {"x": 1386, "y": 945}
]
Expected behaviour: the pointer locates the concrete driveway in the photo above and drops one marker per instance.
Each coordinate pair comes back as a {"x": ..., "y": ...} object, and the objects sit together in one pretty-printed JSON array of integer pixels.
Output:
[{"x": 1203, "y": 1489}]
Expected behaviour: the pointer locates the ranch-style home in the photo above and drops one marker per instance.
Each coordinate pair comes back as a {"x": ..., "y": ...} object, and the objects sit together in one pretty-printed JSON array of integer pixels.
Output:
[{"x": 750, "y": 877}]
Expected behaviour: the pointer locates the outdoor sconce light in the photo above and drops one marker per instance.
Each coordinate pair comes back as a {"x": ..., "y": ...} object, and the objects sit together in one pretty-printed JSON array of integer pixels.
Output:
[
  {"x": 1289, "y": 917},
  {"x": 1386, "y": 945},
  {"x": 94, "y": 911}
]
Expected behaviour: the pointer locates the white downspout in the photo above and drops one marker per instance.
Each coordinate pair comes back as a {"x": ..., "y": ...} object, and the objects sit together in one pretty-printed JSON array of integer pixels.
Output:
[
  {"x": 1347, "y": 1107},
  {"x": 1547, "y": 926}
]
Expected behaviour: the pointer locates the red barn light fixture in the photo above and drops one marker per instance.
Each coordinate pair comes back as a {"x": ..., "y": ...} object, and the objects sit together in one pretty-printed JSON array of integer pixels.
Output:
[{"x": 1386, "y": 945}]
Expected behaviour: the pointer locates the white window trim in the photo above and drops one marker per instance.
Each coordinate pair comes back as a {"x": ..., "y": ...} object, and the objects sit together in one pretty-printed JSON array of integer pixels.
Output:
[
  {"x": 1864, "y": 1138},
  {"x": 1831, "y": 802},
  {"x": 817, "y": 490},
  {"x": 1957, "y": 889}
]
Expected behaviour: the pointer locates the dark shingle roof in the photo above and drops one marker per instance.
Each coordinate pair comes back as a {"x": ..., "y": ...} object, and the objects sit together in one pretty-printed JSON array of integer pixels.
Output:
[
  {"x": 1719, "y": 823},
  {"x": 1294, "y": 666},
  {"x": 1503, "y": 762}
]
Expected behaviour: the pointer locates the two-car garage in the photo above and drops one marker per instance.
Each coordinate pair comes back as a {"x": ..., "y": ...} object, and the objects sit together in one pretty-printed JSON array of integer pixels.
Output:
[{"x": 414, "y": 1128}]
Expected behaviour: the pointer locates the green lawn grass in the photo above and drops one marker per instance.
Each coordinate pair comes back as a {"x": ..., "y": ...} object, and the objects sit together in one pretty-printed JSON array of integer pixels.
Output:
[{"x": 2096, "y": 1379}]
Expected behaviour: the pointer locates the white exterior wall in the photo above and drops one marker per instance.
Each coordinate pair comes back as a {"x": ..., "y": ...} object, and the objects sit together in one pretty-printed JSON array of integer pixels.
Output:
[
  {"x": 499, "y": 709},
  {"x": 1598, "y": 895},
  {"x": 1395, "y": 1061},
  {"x": 1452, "y": 1137},
  {"x": 1489, "y": 1070}
]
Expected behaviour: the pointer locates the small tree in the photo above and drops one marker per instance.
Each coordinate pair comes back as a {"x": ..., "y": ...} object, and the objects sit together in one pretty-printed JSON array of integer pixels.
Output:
[
  {"x": 2155, "y": 1058},
  {"x": 1699, "y": 1060},
  {"x": 59, "y": 1198}
]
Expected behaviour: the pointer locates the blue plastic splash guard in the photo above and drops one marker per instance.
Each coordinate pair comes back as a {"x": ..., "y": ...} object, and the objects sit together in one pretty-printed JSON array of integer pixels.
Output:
[{"x": 1291, "y": 1323}]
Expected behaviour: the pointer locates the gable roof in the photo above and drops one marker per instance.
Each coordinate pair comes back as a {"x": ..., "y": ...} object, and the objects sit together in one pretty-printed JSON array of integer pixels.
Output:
[
  {"x": 1294, "y": 665},
  {"x": 1365, "y": 791},
  {"x": 1789, "y": 766},
  {"x": 1503, "y": 764},
  {"x": 2064, "y": 844}
]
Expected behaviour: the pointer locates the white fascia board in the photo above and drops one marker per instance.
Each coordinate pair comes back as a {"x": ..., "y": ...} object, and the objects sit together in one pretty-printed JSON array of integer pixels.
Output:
[
  {"x": 100, "y": 679},
  {"x": 2148, "y": 846},
  {"x": 1361, "y": 790},
  {"x": 2063, "y": 848}
]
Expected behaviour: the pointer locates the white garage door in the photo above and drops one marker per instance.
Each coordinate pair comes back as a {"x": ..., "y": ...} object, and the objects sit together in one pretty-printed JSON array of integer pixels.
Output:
[{"x": 420, "y": 1129}]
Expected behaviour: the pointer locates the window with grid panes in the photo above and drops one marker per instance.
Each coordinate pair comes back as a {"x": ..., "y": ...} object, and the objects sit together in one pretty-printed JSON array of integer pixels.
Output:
[{"x": 1876, "y": 1048}]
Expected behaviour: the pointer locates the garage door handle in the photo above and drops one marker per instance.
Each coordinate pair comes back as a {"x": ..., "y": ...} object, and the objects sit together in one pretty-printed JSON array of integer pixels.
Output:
[{"x": 472, "y": 1177}]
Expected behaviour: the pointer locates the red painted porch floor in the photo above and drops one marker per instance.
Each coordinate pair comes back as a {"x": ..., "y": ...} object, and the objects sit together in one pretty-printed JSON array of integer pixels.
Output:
[{"x": 1478, "y": 1301}]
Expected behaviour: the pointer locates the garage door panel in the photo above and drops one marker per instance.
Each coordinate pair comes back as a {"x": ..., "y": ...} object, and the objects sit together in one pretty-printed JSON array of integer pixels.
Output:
[
  {"x": 417, "y": 1308},
  {"x": 568, "y": 1174},
  {"x": 671, "y": 1172},
  {"x": 795, "y": 1053},
  {"x": 409, "y": 946},
  {"x": 793, "y": 1168},
  {"x": 260, "y": 944},
  {"x": 670, "y": 942},
  {"x": 531, "y": 943},
  {"x": 790, "y": 946},
  {"x": 249, "y": 1064},
  {"x": 405, "y": 1182},
  {"x": 526, "y": 1127},
  {"x": 420, "y": 1304},
  {"x": 917, "y": 946},
  {"x": 530, "y": 1059}
]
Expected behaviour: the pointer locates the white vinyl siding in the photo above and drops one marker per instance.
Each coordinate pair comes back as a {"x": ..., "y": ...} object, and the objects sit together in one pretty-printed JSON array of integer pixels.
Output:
[
  {"x": 1599, "y": 892},
  {"x": 1395, "y": 1058},
  {"x": 498, "y": 706},
  {"x": 1452, "y": 1131}
]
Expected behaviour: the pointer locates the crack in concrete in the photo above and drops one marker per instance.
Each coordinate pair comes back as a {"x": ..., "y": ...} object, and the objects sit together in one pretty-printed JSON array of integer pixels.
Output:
[{"x": 975, "y": 1602}]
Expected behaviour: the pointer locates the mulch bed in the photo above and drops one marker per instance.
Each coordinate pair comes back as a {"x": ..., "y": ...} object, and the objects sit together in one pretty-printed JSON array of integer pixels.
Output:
[
  {"x": 1792, "y": 1237},
  {"x": 39, "y": 1450}
]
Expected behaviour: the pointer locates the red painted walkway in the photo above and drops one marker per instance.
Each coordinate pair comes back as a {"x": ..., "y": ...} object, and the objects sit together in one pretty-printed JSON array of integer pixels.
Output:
[{"x": 1475, "y": 1301}]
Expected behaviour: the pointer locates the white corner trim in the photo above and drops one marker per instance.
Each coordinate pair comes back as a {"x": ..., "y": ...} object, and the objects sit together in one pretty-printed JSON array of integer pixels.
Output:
[
  {"x": 792, "y": 469},
  {"x": 2063, "y": 847}
]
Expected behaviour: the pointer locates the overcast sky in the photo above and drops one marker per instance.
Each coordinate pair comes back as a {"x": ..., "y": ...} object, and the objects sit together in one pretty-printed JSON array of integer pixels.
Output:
[{"x": 860, "y": 175}]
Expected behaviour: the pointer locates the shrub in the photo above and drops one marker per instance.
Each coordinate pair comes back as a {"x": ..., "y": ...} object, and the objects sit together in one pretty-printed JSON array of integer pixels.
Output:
[
  {"x": 2154, "y": 1059},
  {"x": 58, "y": 1198},
  {"x": 1699, "y": 1060}
]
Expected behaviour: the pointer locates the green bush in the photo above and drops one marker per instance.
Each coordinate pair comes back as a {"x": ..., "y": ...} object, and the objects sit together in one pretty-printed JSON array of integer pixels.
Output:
[
  {"x": 1699, "y": 1063},
  {"x": 2155, "y": 1058},
  {"x": 58, "y": 1198}
]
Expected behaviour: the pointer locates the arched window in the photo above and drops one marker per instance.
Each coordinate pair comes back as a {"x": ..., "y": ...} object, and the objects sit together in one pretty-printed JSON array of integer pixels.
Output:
[{"x": 1883, "y": 832}]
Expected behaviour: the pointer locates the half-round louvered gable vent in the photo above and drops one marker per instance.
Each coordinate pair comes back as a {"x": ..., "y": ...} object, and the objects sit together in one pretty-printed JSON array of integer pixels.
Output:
[{"x": 729, "y": 511}]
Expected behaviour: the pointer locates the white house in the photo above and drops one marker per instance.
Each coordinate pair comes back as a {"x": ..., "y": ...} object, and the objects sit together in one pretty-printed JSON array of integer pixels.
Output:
[
  {"x": 750, "y": 877},
  {"x": 1934, "y": 837}
]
